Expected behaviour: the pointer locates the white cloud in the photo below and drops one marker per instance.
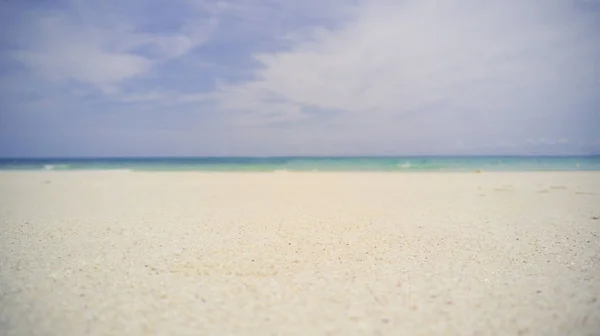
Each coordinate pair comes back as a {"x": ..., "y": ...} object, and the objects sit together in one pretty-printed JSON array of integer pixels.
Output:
[
  {"x": 163, "y": 97},
  {"x": 342, "y": 77},
  {"x": 274, "y": 17},
  {"x": 85, "y": 65},
  {"x": 145, "y": 97},
  {"x": 62, "y": 47},
  {"x": 546, "y": 142},
  {"x": 519, "y": 57}
]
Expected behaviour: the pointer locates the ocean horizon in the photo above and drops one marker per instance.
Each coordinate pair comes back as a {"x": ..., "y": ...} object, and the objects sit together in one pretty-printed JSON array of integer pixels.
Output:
[{"x": 415, "y": 163}]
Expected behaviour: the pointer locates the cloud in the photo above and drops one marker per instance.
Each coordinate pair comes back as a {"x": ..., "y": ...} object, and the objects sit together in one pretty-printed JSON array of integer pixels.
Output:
[
  {"x": 507, "y": 59},
  {"x": 270, "y": 77},
  {"x": 94, "y": 45}
]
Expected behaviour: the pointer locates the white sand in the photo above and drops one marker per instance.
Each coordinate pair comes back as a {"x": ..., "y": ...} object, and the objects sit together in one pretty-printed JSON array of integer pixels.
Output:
[{"x": 118, "y": 253}]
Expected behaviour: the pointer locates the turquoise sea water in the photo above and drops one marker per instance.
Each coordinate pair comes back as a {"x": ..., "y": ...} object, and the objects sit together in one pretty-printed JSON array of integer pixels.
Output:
[{"x": 267, "y": 164}]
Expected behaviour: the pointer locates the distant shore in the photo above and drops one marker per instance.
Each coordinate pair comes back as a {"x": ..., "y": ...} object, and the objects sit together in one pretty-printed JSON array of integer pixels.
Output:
[{"x": 303, "y": 164}]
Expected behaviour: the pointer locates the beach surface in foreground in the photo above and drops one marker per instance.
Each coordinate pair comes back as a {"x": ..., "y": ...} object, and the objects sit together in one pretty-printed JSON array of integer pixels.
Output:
[{"x": 188, "y": 253}]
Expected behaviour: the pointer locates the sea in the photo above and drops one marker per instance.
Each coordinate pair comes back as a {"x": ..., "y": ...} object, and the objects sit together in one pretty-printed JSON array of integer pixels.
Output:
[{"x": 318, "y": 164}]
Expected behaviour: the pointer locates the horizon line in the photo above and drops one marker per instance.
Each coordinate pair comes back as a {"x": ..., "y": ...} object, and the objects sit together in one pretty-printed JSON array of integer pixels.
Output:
[{"x": 296, "y": 156}]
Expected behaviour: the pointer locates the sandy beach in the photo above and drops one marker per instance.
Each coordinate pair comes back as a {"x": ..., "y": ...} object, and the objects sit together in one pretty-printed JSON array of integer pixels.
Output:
[{"x": 187, "y": 253}]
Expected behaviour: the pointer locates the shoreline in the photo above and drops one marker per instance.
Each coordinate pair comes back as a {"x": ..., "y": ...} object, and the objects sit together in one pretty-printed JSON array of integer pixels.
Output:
[{"x": 9, "y": 171}]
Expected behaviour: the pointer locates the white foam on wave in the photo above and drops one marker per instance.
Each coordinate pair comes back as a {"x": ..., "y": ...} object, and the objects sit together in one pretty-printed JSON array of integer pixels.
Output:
[{"x": 405, "y": 165}]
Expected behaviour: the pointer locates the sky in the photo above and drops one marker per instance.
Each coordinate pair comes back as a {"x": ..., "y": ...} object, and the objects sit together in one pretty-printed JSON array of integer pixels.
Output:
[{"x": 81, "y": 78}]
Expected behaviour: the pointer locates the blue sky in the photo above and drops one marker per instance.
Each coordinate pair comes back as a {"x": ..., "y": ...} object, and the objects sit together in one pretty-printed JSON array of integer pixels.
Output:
[{"x": 265, "y": 77}]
